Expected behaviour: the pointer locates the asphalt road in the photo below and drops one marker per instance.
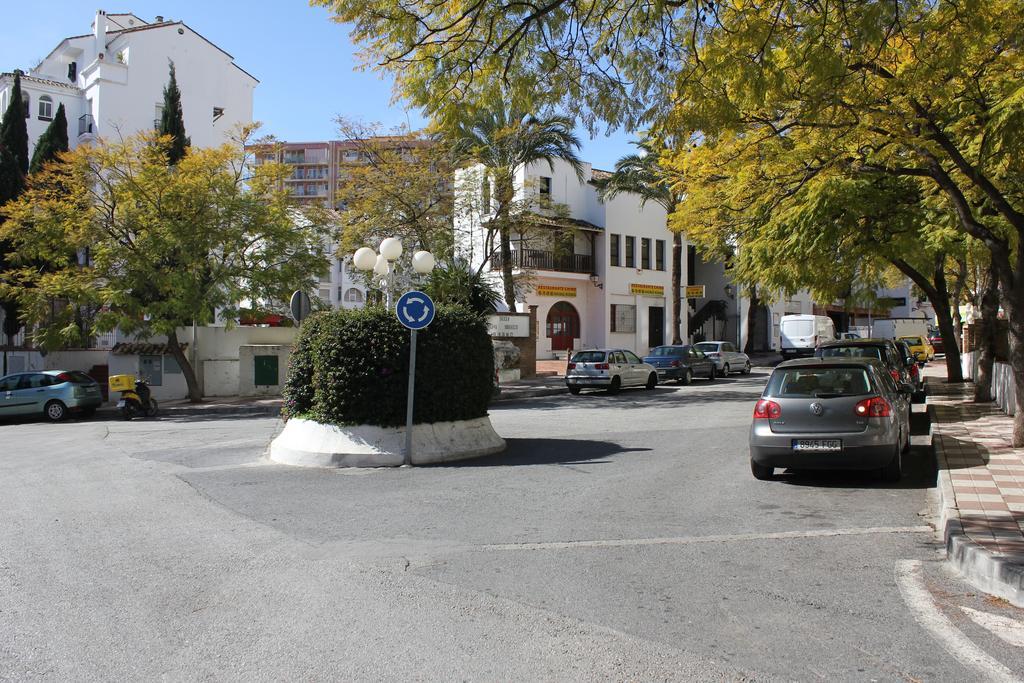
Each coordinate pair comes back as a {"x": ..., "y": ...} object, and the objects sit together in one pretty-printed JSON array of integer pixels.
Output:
[{"x": 620, "y": 537}]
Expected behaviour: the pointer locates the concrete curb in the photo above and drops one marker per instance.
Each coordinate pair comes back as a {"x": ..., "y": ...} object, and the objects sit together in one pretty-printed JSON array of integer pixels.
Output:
[
  {"x": 982, "y": 568},
  {"x": 220, "y": 411},
  {"x": 530, "y": 393}
]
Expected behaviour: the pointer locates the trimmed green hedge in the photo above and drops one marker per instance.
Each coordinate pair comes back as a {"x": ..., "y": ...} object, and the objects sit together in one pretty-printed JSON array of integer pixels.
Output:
[{"x": 351, "y": 367}]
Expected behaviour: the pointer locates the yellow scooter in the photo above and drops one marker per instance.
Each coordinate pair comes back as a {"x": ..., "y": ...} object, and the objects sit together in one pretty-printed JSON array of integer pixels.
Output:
[{"x": 135, "y": 396}]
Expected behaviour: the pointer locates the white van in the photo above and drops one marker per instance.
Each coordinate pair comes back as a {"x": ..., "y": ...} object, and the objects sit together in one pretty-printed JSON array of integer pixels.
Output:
[
  {"x": 801, "y": 334},
  {"x": 890, "y": 328}
]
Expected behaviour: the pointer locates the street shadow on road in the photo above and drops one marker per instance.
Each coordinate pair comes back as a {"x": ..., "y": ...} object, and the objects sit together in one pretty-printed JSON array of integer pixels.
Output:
[
  {"x": 548, "y": 452},
  {"x": 920, "y": 471},
  {"x": 665, "y": 397}
]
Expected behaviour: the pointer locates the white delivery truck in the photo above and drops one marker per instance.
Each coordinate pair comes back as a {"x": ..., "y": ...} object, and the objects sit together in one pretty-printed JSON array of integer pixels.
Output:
[
  {"x": 890, "y": 328},
  {"x": 801, "y": 334}
]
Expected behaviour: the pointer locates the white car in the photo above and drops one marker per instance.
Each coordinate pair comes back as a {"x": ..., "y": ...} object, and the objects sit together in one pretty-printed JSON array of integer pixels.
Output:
[
  {"x": 727, "y": 357},
  {"x": 610, "y": 369}
]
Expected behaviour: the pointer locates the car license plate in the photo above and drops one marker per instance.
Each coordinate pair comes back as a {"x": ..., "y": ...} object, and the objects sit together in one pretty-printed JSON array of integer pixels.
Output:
[
  {"x": 120, "y": 404},
  {"x": 817, "y": 445}
]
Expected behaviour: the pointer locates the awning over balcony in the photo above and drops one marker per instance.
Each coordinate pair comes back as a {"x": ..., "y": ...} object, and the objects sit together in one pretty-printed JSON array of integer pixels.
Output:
[{"x": 561, "y": 222}]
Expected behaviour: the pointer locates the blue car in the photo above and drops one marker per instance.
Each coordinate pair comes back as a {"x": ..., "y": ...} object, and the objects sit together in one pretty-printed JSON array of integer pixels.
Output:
[
  {"x": 681, "y": 362},
  {"x": 51, "y": 393}
]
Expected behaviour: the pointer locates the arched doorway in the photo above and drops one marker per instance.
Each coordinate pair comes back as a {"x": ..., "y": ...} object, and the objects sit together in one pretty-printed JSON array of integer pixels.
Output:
[{"x": 563, "y": 326}]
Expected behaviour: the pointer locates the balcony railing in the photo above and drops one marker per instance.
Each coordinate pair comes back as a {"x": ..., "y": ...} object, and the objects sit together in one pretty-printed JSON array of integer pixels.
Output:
[
  {"x": 537, "y": 259},
  {"x": 86, "y": 125}
]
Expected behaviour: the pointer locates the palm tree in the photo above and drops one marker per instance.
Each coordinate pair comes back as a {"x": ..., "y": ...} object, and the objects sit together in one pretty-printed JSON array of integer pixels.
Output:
[
  {"x": 642, "y": 174},
  {"x": 503, "y": 140}
]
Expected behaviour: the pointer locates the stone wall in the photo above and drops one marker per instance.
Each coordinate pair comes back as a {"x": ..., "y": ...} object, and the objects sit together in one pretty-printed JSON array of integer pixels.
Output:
[{"x": 527, "y": 345}]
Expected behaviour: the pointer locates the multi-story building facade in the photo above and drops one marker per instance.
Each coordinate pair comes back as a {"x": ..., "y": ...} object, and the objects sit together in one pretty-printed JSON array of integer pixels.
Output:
[
  {"x": 111, "y": 82},
  {"x": 599, "y": 272}
]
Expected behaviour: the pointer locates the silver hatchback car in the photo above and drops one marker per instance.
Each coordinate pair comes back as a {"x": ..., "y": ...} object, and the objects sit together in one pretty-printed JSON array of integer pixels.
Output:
[
  {"x": 609, "y": 369},
  {"x": 50, "y": 393},
  {"x": 831, "y": 413}
]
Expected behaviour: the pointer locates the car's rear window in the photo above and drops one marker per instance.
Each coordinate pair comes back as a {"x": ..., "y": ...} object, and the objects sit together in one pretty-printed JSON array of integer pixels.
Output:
[
  {"x": 818, "y": 382},
  {"x": 669, "y": 351},
  {"x": 851, "y": 352},
  {"x": 706, "y": 347},
  {"x": 76, "y": 377},
  {"x": 913, "y": 341},
  {"x": 589, "y": 357}
]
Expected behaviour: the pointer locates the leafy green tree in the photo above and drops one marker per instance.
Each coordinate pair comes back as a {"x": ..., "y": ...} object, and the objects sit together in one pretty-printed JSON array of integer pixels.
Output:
[
  {"x": 642, "y": 174},
  {"x": 504, "y": 139},
  {"x": 172, "y": 121},
  {"x": 13, "y": 130},
  {"x": 168, "y": 245},
  {"x": 52, "y": 143}
]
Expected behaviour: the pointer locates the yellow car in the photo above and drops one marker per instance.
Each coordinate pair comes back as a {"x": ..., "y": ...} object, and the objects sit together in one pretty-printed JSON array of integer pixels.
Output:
[{"x": 920, "y": 347}]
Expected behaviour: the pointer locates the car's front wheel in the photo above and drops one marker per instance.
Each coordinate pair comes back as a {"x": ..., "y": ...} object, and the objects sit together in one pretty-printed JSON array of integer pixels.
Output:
[
  {"x": 746, "y": 368},
  {"x": 762, "y": 472},
  {"x": 687, "y": 377},
  {"x": 712, "y": 373},
  {"x": 574, "y": 391},
  {"x": 652, "y": 381},
  {"x": 727, "y": 370},
  {"x": 616, "y": 384},
  {"x": 55, "y": 411}
]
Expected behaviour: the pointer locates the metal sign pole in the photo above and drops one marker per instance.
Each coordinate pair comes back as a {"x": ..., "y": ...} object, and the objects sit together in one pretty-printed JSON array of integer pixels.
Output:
[{"x": 407, "y": 461}]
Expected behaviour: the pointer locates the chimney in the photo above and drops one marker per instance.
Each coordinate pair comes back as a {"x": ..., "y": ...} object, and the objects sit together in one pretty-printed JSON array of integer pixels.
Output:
[
  {"x": 100, "y": 31},
  {"x": 159, "y": 19}
]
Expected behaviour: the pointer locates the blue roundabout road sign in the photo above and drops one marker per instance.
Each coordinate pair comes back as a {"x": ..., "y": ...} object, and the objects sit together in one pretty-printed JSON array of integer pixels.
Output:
[{"x": 415, "y": 310}]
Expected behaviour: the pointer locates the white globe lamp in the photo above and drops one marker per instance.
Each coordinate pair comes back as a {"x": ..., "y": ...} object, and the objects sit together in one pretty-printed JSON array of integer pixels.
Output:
[
  {"x": 381, "y": 266},
  {"x": 391, "y": 248},
  {"x": 364, "y": 258},
  {"x": 423, "y": 262}
]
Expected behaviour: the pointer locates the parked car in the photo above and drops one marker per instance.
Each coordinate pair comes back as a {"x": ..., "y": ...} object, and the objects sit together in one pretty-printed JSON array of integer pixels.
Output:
[
  {"x": 831, "y": 413},
  {"x": 913, "y": 366},
  {"x": 50, "y": 393},
  {"x": 726, "y": 356},
  {"x": 935, "y": 339},
  {"x": 885, "y": 350},
  {"x": 919, "y": 347},
  {"x": 610, "y": 369},
  {"x": 799, "y": 335},
  {"x": 681, "y": 362}
]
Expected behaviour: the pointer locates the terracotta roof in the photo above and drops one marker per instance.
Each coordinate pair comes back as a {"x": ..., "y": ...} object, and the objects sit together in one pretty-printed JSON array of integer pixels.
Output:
[
  {"x": 598, "y": 174},
  {"x": 143, "y": 349},
  {"x": 44, "y": 81}
]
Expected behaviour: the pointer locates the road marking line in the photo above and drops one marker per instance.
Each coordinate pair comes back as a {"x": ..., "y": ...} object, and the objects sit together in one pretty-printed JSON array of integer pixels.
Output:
[
  {"x": 1010, "y": 630},
  {"x": 952, "y": 639},
  {"x": 688, "y": 540}
]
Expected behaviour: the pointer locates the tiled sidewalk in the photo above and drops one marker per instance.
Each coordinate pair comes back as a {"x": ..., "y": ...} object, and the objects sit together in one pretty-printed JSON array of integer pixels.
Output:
[{"x": 981, "y": 484}]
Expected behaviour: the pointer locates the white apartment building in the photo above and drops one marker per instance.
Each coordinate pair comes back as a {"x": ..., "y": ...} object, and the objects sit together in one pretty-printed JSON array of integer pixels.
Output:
[
  {"x": 600, "y": 272},
  {"x": 111, "y": 82}
]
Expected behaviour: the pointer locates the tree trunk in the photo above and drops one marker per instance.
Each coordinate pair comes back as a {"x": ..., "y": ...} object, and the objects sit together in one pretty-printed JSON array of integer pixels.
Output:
[
  {"x": 1017, "y": 365},
  {"x": 505, "y": 194},
  {"x": 958, "y": 290},
  {"x": 677, "y": 285},
  {"x": 194, "y": 395},
  {"x": 755, "y": 304},
  {"x": 938, "y": 295},
  {"x": 987, "y": 352}
]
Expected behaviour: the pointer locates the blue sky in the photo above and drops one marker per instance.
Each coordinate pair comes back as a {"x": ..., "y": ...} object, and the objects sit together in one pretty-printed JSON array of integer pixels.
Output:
[{"x": 304, "y": 61}]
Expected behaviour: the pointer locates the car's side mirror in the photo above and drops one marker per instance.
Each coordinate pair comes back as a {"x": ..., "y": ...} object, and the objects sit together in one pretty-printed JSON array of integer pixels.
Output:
[{"x": 911, "y": 360}]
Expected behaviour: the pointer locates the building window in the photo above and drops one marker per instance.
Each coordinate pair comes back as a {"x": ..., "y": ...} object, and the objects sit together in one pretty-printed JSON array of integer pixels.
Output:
[
  {"x": 354, "y": 295},
  {"x": 151, "y": 369},
  {"x": 623, "y": 318},
  {"x": 25, "y": 103},
  {"x": 325, "y": 295},
  {"x": 645, "y": 253},
  {"x": 613, "y": 250},
  {"x": 545, "y": 187},
  {"x": 659, "y": 255},
  {"x": 630, "y": 251},
  {"x": 45, "y": 108}
]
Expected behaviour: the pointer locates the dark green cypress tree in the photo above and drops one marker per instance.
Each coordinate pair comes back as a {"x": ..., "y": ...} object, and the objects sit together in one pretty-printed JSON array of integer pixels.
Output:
[
  {"x": 13, "y": 131},
  {"x": 52, "y": 142},
  {"x": 172, "y": 121}
]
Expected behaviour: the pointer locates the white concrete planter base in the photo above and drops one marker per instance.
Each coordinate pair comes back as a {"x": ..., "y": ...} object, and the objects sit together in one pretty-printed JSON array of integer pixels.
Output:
[{"x": 311, "y": 444}]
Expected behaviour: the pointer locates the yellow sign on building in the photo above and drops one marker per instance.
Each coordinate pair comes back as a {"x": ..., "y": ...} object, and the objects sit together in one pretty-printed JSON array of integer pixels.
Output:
[
  {"x": 547, "y": 290},
  {"x": 695, "y": 292},
  {"x": 646, "y": 290}
]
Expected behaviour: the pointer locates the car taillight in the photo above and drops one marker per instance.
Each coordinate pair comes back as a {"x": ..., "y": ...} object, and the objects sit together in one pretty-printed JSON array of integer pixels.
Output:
[
  {"x": 876, "y": 406},
  {"x": 64, "y": 377},
  {"x": 572, "y": 366},
  {"x": 601, "y": 366},
  {"x": 914, "y": 371},
  {"x": 676, "y": 364},
  {"x": 895, "y": 375},
  {"x": 767, "y": 410}
]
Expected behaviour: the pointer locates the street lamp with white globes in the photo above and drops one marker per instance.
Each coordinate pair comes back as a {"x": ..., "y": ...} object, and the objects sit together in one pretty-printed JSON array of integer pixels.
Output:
[{"x": 381, "y": 263}]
